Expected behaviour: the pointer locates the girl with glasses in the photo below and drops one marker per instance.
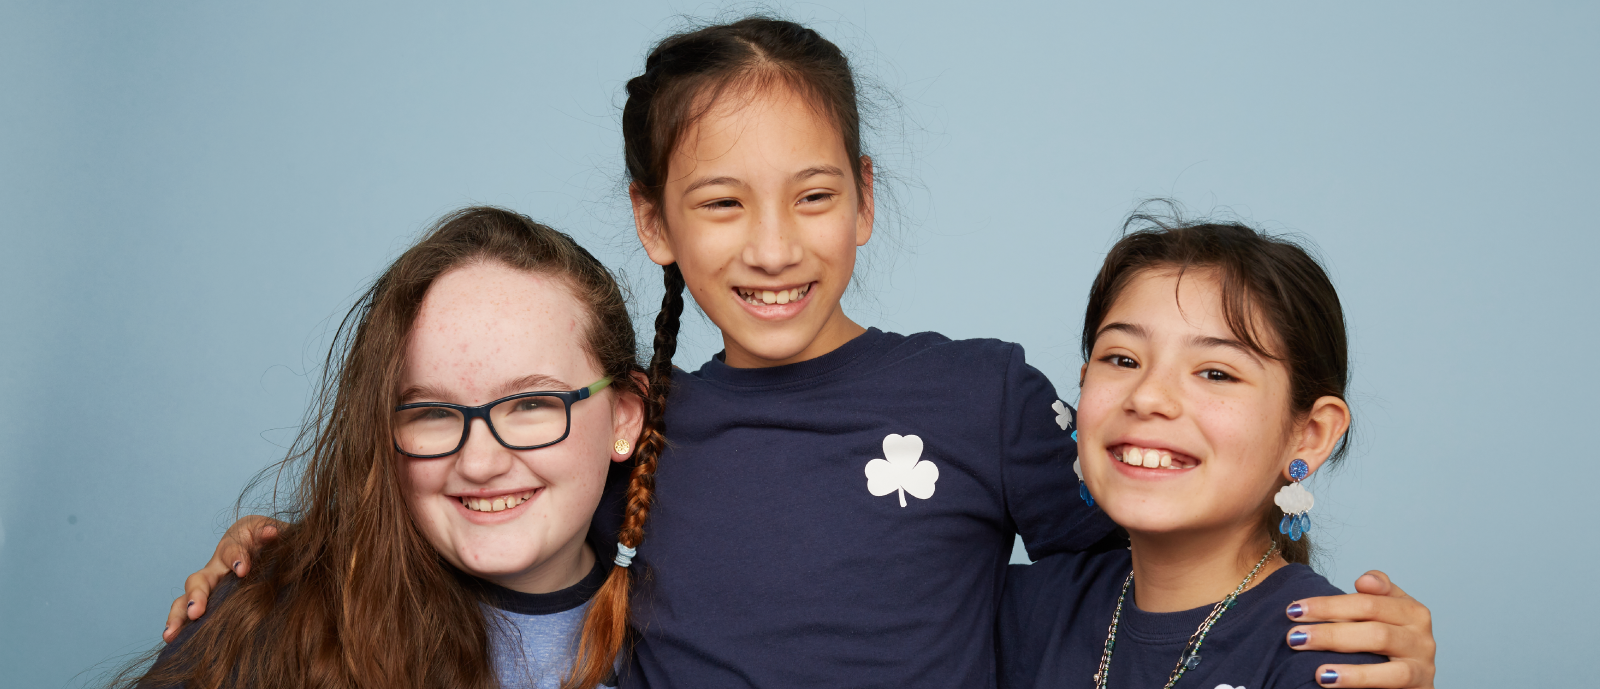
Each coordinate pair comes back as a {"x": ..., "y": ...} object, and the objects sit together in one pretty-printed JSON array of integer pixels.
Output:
[{"x": 476, "y": 399}]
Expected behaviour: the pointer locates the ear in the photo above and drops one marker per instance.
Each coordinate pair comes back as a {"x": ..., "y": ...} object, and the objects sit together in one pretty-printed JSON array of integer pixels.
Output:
[
  {"x": 1321, "y": 431},
  {"x": 647, "y": 222},
  {"x": 627, "y": 417},
  {"x": 868, "y": 206},
  {"x": 1083, "y": 373}
]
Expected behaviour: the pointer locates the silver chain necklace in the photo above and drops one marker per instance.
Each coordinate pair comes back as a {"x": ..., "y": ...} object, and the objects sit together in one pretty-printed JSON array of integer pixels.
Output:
[{"x": 1190, "y": 658}]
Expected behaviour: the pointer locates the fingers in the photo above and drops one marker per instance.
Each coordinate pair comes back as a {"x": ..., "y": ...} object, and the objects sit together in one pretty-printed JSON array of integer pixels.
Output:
[
  {"x": 176, "y": 618},
  {"x": 1362, "y": 637},
  {"x": 1398, "y": 674},
  {"x": 1378, "y": 584},
  {"x": 1361, "y": 607},
  {"x": 243, "y": 538}
]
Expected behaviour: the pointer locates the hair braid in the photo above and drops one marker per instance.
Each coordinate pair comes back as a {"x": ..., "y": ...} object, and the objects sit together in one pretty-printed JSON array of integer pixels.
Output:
[{"x": 605, "y": 628}]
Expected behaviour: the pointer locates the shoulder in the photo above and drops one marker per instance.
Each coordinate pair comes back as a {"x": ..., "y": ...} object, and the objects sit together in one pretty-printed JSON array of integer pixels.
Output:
[
  {"x": 1050, "y": 592},
  {"x": 1293, "y": 668}
]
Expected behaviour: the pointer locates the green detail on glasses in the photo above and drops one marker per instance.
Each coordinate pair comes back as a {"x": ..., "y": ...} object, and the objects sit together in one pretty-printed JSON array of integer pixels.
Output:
[{"x": 599, "y": 385}]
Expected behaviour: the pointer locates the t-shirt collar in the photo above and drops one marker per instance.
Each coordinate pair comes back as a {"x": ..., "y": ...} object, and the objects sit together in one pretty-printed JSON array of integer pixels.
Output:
[
  {"x": 719, "y": 371},
  {"x": 542, "y": 603}
]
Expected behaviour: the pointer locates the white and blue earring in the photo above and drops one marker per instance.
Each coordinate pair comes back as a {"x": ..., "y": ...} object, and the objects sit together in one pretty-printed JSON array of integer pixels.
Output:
[
  {"x": 1067, "y": 418},
  {"x": 1296, "y": 502}
]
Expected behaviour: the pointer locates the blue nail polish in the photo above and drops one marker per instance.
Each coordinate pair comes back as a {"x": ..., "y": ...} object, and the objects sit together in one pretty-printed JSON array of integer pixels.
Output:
[
  {"x": 190, "y": 605},
  {"x": 1328, "y": 677},
  {"x": 1297, "y": 638},
  {"x": 236, "y": 564},
  {"x": 1296, "y": 611}
]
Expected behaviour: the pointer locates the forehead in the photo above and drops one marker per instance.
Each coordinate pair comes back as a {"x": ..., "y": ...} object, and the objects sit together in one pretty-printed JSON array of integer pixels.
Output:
[
  {"x": 1191, "y": 300},
  {"x": 485, "y": 321},
  {"x": 769, "y": 120}
]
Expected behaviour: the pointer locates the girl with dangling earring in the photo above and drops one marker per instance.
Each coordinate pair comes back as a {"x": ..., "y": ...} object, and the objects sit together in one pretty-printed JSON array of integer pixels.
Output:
[
  {"x": 1214, "y": 384},
  {"x": 836, "y": 504}
]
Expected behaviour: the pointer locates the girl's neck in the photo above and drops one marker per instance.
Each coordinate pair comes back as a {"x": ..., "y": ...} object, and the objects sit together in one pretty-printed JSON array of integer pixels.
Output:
[
  {"x": 1186, "y": 570},
  {"x": 560, "y": 571},
  {"x": 835, "y": 332}
]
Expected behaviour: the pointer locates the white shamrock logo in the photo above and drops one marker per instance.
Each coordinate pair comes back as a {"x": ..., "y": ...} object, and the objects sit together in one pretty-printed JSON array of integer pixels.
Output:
[
  {"x": 1224, "y": 686},
  {"x": 1064, "y": 414},
  {"x": 902, "y": 469}
]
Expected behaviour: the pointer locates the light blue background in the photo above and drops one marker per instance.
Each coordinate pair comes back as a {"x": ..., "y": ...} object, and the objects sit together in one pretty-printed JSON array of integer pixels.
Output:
[{"x": 189, "y": 191}]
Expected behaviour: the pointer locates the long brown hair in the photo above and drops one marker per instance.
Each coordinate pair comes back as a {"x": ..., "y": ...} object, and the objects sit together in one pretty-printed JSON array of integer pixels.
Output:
[
  {"x": 685, "y": 74},
  {"x": 1264, "y": 277},
  {"x": 351, "y": 594}
]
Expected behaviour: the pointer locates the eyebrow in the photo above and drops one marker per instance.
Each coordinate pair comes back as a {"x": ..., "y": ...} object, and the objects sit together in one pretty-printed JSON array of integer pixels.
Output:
[
  {"x": 800, "y": 176},
  {"x": 1129, "y": 328},
  {"x": 536, "y": 382},
  {"x": 712, "y": 181},
  {"x": 813, "y": 171},
  {"x": 1205, "y": 341}
]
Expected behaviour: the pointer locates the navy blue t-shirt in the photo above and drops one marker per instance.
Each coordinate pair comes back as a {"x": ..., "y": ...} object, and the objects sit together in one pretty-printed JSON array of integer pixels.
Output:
[
  {"x": 1056, "y": 612},
  {"x": 846, "y": 521}
]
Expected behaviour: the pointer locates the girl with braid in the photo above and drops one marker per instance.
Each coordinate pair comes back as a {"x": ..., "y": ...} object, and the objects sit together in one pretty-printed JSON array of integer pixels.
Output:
[
  {"x": 833, "y": 505},
  {"x": 470, "y": 409}
]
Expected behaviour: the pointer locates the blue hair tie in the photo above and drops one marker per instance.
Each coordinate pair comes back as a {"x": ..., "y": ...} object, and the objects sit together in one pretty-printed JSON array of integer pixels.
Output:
[{"x": 625, "y": 555}]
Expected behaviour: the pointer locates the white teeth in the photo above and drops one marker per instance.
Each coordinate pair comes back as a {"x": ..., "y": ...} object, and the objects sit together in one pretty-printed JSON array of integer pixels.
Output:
[
  {"x": 499, "y": 504},
  {"x": 1166, "y": 460},
  {"x": 768, "y": 297},
  {"x": 783, "y": 296},
  {"x": 1152, "y": 459},
  {"x": 1133, "y": 456}
]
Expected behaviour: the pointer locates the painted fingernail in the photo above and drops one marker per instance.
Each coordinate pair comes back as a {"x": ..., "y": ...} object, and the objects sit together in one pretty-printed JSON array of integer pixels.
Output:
[
  {"x": 190, "y": 605},
  {"x": 1297, "y": 638},
  {"x": 236, "y": 564},
  {"x": 1328, "y": 677},
  {"x": 1296, "y": 611}
]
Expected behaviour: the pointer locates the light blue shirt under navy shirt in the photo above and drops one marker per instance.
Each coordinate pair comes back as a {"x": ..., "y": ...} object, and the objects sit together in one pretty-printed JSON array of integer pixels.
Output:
[{"x": 534, "y": 636}]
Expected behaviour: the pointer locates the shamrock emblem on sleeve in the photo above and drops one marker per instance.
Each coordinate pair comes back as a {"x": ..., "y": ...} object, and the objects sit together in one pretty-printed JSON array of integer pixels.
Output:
[
  {"x": 1065, "y": 417},
  {"x": 902, "y": 469}
]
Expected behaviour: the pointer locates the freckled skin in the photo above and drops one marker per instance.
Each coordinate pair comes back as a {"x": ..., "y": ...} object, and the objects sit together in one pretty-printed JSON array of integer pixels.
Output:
[
  {"x": 765, "y": 228},
  {"x": 480, "y": 327},
  {"x": 1237, "y": 429}
]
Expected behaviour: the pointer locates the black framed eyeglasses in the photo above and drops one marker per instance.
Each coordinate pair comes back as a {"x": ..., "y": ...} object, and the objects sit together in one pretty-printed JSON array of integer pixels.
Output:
[{"x": 524, "y": 421}]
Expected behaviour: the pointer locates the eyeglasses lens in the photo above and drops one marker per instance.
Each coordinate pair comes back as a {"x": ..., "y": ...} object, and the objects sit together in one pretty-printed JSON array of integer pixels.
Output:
[{"x": 521, "y": 422}]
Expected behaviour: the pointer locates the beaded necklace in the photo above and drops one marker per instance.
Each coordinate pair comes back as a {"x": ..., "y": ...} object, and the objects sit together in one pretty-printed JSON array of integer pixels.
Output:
[{"x": 1190, "y": 658}]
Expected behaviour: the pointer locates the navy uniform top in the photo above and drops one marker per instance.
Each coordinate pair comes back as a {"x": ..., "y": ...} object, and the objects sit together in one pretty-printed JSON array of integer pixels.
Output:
[
  {"x": 1056, "y": 612},
  {"x": 846, "y": 521}
]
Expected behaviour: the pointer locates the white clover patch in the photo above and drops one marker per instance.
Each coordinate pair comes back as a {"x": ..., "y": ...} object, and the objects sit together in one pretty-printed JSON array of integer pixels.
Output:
[
  {"x": 902, "y": 469},
  {"x": 1224, "y": 686},
  {"x": 1065, "y": 416},
  {"x": 1077, "y": 468}
]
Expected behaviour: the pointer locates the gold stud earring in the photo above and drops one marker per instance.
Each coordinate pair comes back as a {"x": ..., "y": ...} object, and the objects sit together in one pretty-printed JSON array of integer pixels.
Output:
[{"x": 622, "y": 446}]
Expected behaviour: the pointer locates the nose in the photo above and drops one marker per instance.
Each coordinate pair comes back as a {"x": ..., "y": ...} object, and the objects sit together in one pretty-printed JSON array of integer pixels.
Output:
[
  {"x": 482, "y": 458},
  {"x": 1155, "y": 395},
  {"x": 772, "y": 245}
]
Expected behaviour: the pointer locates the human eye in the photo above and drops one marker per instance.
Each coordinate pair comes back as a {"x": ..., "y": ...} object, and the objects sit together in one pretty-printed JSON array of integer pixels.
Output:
[
  {"x": 1120, "y": 361},
  {"x": 1217, "y": 376},
  {"x": 816, "y": 197},
  {"x": 433, "y": 414},
  {"x": 529, "y": 404},
  {"x": 721, "y": 204}
]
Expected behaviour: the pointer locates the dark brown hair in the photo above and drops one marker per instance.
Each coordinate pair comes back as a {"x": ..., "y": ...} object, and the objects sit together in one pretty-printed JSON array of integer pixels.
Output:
[
  {"x": 1265, "y": 278},
  {"x": 351, "y": 594},
  {"x": 684, "y": 77}
]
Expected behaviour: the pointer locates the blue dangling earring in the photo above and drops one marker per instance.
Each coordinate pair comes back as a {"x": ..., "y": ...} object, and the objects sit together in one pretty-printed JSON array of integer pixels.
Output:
[
  {"x": 1296, "y": 502},
  {"x": 1067, "y": 418}
]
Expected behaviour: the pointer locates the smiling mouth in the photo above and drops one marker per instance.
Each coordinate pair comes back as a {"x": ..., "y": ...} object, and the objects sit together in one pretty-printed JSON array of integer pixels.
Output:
[
  {"x": 1151, "y": 458},
  {"x": 498, "y": 503},
  {"x": 764, "y": 297}
]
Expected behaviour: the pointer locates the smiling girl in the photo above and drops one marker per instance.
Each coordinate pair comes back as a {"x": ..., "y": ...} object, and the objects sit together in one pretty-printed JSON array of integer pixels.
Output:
[
  {"x": 472, "y": 405},
  {"x": 837, "y": 503},
  {"x": 1214, "y": 383}
]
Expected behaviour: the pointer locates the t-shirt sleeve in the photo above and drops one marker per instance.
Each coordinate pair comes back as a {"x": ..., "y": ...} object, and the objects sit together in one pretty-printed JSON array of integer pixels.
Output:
[{"x": 1037, "y": 450}]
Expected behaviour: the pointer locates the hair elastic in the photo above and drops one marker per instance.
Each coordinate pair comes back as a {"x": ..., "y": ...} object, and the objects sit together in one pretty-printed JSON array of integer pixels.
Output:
[{"x": 625, "y": 555}]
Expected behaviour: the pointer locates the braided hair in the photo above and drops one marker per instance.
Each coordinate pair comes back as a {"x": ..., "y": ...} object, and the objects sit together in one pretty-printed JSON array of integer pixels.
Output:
[{"x": 684, "y": 76}]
